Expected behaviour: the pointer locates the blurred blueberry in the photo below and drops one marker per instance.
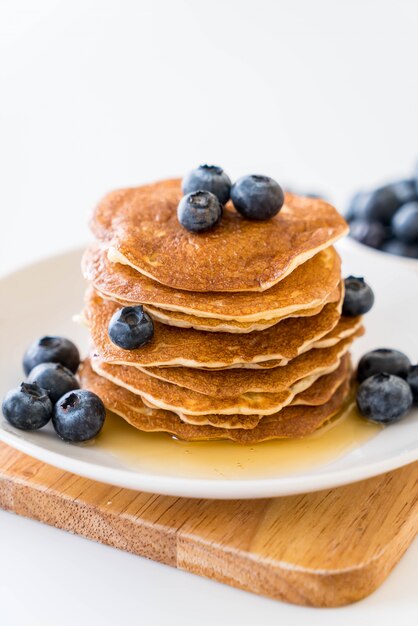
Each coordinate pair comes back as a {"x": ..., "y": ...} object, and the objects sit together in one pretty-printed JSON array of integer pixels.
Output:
[
  {"x": 404, "y": 190},
  {"x": 405, "y": 223},
  {"x": 381, "y": 205},
  {"x": 355, "y": 209},
  {"x": 393, "y": 246},
  {"x": 372, "y": 234}
]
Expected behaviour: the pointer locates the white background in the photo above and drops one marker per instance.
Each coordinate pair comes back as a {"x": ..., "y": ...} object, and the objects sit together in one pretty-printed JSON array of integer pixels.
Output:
[{"x": 322, "y": 95}]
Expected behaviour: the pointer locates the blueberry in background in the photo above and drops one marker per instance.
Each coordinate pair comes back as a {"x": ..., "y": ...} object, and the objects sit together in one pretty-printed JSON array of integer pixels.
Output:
[
  {"x": 412, "y": 380},
  {"x": 78, "y": 416},
  {"x": 51, "y": 350},
  {"x": 357, "y": 204},
  {"x": 372, "y": 234},
  {"x": 54, "y": 378},
  {"x": 383, "y": 360},
  {"x": 208, "y": 178},
  {"x": 130, "y": 328},
  {"x": 381, "y": 205},
  {"x": 405, "y": 223},
  {"x": 393, "y": 246},
  {"x": 257, "y": 197},
  {"x": 27, "y": 407},
  {"x": 404, "y": 190},
  {"x": 199, "y": 211},
  {"x": 384, "y": 398},
  {"x": 358, "y": 297}
]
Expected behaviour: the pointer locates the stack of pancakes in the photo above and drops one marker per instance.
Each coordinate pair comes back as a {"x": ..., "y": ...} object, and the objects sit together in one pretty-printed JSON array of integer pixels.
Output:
[{"x": 249, "y": 342}]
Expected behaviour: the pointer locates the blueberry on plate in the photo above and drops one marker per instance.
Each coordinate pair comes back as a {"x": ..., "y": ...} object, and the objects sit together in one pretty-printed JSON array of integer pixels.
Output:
[
  {"x": 208, "y": 178},
  {"x": 54, "y": 378},
  {"x": 358, "y": 297},
  {"x": 51, "y": 350},
  {"x": 399, "y": 248},
  {"x": 384, "y": 398},
  {"x": 130, "y": 328},
  {"x": 412, "y": 380},
  {"x": 372, "y": 234},
  {"x": 257, "y": 197},
  {"x": 199, "y": 211},
  {"x": 78, "y": 416},
  {"x": 383, "y": 360},
  {"x": 27, "y": 407},
  {"x": 381, "y": 205},
  {"x": 405, "y": 223}
]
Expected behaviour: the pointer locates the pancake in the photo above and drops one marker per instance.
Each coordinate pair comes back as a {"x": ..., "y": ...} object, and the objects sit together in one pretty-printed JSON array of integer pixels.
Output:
[
  {"x": 191, "y": 348},
  {"x": 309, "y": 286},
  {"x": 182, "y": 401},
  {"x": 141, "y": 228},
  {"x": 295, "y": 421},
  {"x": 317, "y": 394},
  {"x": 233, "y": 382},
  {"x": 211, "y": 325}
]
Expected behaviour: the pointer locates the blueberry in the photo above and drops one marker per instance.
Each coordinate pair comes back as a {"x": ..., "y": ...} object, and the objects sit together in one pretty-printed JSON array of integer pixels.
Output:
[
  {"x": 412, "y": 380},
  {"x": 404, "y": 190},
  {"x": 405, "y": 223},
  {"x": 51, "y": 350},
  {"x": 383, "y": 360},
  {"x": 393, "y": 246},
  {"x": 78, "y": 416},
  {"x": 384, "y": 398},
  {"x": 55, "y": 378},
  {"x": 131, "y": 328},
  {"x": 27, "y": 407},
  {"x": 381, "y": 205},
  {"x": 257, "y": 197},
  {"x": 370, "y": 233},
  {"x": 355, "y": 209},
  {"x": 208, "y": 178},
  {"x": 358, "y": 297},
  {"x": 199, "y": 211}
]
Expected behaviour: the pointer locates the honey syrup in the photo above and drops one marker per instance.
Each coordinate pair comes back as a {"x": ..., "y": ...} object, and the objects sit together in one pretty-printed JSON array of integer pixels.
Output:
[{"x": 161, "y": 453}]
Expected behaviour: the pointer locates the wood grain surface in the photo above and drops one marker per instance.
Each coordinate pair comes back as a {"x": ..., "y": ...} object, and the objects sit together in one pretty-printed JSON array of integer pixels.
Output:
[{"x": 328, "y": 548}]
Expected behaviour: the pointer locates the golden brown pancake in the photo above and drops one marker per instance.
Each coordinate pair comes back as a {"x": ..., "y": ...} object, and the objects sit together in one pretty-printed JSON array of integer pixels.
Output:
[
  {"x": 192, "y": 348},
  {"x": 294, "y": 421},
  {"x": 141, "y": 228},
  {"x": 209, "y": 324},
  {"x": 234, "y": 382},
  {"x": 309, "y": 286},
  {"x": 188, "y": 403},
  {"x": 317, "y": 394}
]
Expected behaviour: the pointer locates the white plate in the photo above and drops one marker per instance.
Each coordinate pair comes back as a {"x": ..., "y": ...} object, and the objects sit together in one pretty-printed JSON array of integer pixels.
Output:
[{"x": 41, "y": 299}]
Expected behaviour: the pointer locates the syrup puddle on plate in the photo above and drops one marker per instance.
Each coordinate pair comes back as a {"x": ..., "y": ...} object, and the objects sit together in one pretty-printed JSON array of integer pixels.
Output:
[{"x": 160, "y": 453}]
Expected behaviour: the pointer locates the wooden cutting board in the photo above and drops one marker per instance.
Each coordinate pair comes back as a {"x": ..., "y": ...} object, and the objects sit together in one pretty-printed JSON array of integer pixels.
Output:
[{"x": 321, "y": 549}]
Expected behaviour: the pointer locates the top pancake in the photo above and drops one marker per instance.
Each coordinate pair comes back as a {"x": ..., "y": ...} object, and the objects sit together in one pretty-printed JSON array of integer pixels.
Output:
[
  {"x": 308, "y": 287},
  {"x": 141, "y": 228}
]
